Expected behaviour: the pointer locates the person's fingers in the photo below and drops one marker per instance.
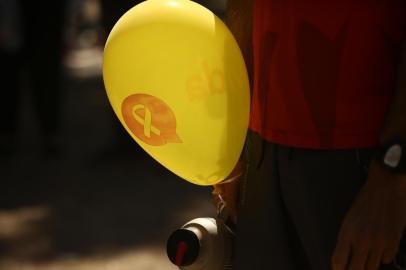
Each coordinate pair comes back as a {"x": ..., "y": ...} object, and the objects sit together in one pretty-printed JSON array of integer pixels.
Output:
[
  {"x": 226, "y": 194},
  {"x": 374, "y": 259},
  {"x": 218, "y": 190},
  {"x": 358, "y": 258},
  {"x": 215, "y": 201},
  {"x": 390, "y": 252},
  {"x": 341, "y": 253}
]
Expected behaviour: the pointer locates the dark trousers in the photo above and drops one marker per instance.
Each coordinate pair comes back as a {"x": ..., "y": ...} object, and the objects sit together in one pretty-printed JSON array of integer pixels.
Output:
[
  {"x": 42, "y": 25},
  {"x": 292, "y": 205}
]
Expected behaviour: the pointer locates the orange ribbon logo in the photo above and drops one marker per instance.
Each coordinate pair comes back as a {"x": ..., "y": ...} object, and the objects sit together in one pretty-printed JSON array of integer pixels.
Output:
[{"x": 150, "y": 119}]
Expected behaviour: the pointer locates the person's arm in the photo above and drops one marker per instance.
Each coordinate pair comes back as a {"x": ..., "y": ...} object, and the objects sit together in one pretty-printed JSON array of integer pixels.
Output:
[
  {"x": 395, "y": 125},
  {"x": 239, "y": 21},
  {"x": 371, "y": 231}
]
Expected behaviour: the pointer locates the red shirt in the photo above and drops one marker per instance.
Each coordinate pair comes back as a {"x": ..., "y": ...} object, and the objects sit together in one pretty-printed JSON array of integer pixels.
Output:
[{"x": 325, "y": 71}]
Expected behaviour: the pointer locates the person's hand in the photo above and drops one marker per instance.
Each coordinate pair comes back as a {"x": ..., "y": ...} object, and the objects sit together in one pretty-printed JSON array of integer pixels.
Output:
[
  {"x": 228, "y": 191},
  {"x": 372, "y": 229}
]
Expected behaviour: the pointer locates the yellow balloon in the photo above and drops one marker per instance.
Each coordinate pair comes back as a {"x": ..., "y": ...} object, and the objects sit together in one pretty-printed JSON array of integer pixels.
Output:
[{"x": 177, "y": 81}]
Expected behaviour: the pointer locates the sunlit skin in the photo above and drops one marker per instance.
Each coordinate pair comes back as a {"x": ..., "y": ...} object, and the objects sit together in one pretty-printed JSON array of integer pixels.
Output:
[{"x": 372, "y": 228}]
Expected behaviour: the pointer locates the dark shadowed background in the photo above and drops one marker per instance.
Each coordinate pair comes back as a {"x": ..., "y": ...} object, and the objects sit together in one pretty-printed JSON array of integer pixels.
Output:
[{"x": 76, "y": 192}]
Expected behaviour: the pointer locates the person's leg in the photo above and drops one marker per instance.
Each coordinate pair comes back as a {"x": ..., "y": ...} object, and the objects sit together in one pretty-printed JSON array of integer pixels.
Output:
[
  {"x": 266, "y": 237},
  {"x": 318, "y": 188},
  {"x": 43, "y": 25}
]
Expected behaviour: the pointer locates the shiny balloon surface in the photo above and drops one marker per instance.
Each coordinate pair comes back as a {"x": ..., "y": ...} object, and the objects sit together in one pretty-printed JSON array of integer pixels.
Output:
[{"x": 177, "y": 81}]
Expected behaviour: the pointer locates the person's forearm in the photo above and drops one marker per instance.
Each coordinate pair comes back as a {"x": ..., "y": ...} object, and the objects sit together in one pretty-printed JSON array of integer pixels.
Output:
[
  {"x": 239, "y": 20},
  {"x": 395, "y": 124}
]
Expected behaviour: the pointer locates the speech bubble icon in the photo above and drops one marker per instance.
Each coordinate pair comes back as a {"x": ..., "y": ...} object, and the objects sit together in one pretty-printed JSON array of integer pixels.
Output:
[
  {"x": 150, "y": 119},
  {"x": 176, "y": 78}
]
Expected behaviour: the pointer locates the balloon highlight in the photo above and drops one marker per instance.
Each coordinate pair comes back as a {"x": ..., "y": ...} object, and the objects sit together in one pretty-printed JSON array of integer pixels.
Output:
[{"x": 177, "y": 81}]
